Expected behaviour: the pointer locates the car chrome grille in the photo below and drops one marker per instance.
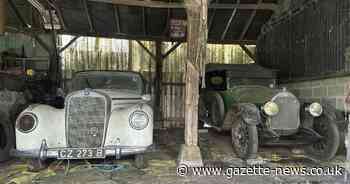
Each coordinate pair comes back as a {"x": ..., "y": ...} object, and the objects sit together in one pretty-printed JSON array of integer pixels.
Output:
[
  {"x": 287, "y": 120},
  {"x": 86, "y": 121}
]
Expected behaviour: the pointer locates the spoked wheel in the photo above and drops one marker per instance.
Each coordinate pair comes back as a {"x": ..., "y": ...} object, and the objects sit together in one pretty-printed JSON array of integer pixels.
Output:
[
  {"x": 244, "y": 140},
  {"x": 326, "y": 148}
]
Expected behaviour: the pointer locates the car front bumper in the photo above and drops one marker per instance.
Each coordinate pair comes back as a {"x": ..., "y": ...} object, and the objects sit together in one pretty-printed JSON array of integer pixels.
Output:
[{"x": 44, "y": 152}]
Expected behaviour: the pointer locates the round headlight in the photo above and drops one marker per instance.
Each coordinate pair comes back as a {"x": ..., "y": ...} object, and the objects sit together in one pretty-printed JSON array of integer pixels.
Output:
[
  {"x": 271, "y": 109},
  {"x": 138, "y": 120},
  {"x": 26, "y": 123},
  {"x": 315, "y": 109}
]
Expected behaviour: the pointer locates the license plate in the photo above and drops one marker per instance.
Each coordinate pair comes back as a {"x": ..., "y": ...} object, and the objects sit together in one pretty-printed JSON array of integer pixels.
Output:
[{"x": 81, "y": 153}]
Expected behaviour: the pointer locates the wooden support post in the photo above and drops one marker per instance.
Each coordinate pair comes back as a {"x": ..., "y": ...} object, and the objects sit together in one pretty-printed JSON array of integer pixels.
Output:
[
  {"x": 158, "y": 80},
  {"x": 130, "y": 55},
  {"x": 197, "y": 36},
  {"x": 3, "y": 16}
]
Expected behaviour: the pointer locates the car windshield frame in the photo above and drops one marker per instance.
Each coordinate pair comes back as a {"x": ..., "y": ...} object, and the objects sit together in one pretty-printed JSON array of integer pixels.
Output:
[{"x": 108, "y": 80}]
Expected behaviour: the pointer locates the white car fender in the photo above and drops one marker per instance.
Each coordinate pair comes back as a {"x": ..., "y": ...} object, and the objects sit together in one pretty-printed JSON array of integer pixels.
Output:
[
  {"x": 121, "y": 133},
  {"x": 49, "y": 126}
]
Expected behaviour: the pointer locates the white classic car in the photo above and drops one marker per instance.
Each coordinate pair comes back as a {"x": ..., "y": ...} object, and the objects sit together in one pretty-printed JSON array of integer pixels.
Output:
[{"x": 106, "y": 114}]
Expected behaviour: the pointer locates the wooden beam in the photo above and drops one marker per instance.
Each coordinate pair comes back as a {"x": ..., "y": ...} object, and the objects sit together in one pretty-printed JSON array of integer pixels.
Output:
[
  {"x": 116, "y": 17},
  {"x": 211, "y": 20},
  {"x": 197, "y": 35},
  {"x": 158, "y": 80},
  {"x": 161, "y": 4},
  {"x": 249, "y": 22},
  {"x": 144, "y": 20},
  {"x": 18, "y": 14},
  {"x": 69, "y": 44},
  {"x": 174, "y": 47},
  {"x": 3, "y": 16},
  {"x": 151, "y": 38},
  {"x": 87, "y": 13},
  {"x": 130, "y": 64},
  {"x": 230, "y": 21},
  {"x": 146, "y": 49},
  {"x": 248, "y": 52},
  {"x": 167, "y": 24}
]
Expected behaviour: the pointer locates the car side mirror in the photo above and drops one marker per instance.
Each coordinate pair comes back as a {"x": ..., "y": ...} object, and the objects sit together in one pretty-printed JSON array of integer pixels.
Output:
[{"x": 146, "y": 97}]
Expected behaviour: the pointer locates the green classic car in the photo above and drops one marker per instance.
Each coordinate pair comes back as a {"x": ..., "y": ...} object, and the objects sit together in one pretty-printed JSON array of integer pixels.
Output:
[{"x": 244, "y": 99}]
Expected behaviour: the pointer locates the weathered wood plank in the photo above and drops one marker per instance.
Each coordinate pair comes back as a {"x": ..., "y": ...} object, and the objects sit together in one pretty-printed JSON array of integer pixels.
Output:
[{"x": 161, "y": 4}]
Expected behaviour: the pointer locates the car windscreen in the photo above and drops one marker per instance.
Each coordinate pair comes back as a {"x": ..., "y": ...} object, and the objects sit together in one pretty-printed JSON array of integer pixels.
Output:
[
  {"x": 110, "y": 80},
  {"x": 232, "y": 82}
]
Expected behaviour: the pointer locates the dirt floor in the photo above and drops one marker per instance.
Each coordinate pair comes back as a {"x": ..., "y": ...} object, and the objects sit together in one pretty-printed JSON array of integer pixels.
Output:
[{"x": 162, "y": 169}]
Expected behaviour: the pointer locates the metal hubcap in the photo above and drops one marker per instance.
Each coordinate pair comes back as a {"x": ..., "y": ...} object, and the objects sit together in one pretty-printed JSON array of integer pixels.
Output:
[{"x": 240, "y": 137}]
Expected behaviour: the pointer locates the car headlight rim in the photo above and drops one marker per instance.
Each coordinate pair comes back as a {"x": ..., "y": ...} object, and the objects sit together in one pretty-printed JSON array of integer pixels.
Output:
[
  {"x": 315, "y": 109},
  {"x": 271, "y": 108},
  {"x": 133, "y": 120},
  {"x": 20, "y": 126}
]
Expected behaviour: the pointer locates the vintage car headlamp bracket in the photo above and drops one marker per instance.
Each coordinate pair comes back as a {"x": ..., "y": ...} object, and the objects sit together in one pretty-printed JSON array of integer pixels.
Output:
[
  {"x": 133, "y": 118},
  {"x": 35, "y": 123},
  {"x": 270, "y": 108},
  {"x": 315, "y": 109}
]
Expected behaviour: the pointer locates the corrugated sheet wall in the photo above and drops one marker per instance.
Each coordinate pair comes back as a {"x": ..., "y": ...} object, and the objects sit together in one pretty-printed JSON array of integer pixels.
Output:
[
  {"x": 15, "y": 43},
  {"x": 309, "y": 42},
  {"x": 112, "y": 54}
]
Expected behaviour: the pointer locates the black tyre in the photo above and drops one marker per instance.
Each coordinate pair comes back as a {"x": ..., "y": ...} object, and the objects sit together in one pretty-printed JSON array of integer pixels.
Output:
[
  {"x": 245, "y": 140},
  {"x": 202, "y": 112},
  {"x": 216, "y": 108},
  {"x": 7, "y": 138},
  {"x": 327, "y": 147},
  {"x": 140, "y": 161}
]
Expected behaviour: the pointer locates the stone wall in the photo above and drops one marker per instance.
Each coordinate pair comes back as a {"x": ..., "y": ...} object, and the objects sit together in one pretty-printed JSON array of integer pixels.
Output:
[{"x": 331, "y": 90}]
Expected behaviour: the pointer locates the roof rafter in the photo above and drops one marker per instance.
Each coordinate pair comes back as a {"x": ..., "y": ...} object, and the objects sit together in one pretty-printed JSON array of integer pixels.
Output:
[
  {"x": 230, "y": 21},
  {"x": 249, "y": 22},
  {"x": 87, "y": 12},
  {"x": 116, "y": 17},
  {"x": 160, "y": 4}
]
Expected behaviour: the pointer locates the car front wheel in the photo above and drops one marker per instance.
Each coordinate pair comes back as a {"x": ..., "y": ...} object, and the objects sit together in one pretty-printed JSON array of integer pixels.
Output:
[
  {"x": 7, "y": 139},
  {"x": 326, "y": 148},
  {"x": 244, "y": 140}
]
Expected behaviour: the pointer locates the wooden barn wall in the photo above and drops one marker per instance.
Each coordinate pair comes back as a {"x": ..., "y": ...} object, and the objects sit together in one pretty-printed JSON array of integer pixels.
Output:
[
  {"x": 308, "y": 43},
  {"x": 112, "y": 54}
]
